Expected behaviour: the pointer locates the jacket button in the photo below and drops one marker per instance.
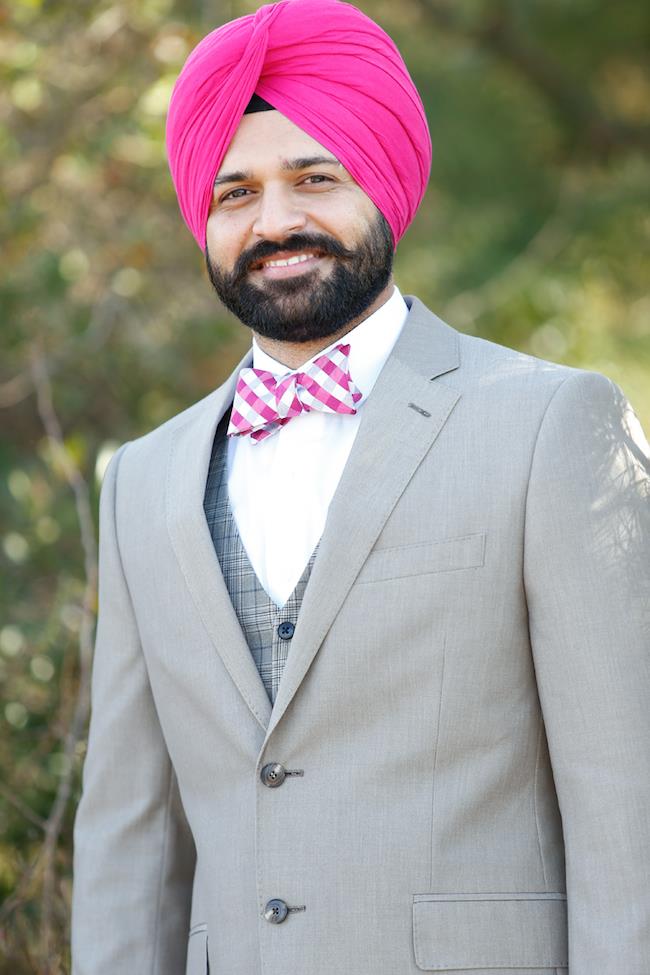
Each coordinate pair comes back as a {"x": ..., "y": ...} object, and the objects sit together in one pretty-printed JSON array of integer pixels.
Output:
[
  {"x": 273, "y": 775},
  {"x": 286, "y": 630},
  {"x": 276, "y": 911}
]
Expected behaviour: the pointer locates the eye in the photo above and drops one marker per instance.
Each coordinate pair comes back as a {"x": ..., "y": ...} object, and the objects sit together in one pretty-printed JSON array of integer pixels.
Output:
[
  {"x": 316, "y": 179},
  {"x": 236, "y": 194}
]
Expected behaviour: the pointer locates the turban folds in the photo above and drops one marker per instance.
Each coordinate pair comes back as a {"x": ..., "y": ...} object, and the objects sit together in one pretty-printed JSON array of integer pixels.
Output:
[{"x": 331, "y": 71}]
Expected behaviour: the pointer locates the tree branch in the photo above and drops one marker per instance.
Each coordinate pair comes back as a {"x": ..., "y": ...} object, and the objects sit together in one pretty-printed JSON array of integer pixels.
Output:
[
  {"x": 100, "y": 326},
  {"x": 26, "y": 811},
  {"x": 79, "y": 488}
]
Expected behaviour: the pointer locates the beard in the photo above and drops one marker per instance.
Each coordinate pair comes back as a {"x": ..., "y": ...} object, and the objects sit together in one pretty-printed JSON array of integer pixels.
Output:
[{"x": 308, "y": 306}]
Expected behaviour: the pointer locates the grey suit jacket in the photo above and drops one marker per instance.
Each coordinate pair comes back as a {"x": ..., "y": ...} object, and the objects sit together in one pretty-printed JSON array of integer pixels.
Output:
[{"x": 467, "y": 695}]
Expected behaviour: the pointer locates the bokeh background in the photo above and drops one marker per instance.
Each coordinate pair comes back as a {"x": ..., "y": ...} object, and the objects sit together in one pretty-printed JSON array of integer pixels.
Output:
[{"x": 535, "y": 233}]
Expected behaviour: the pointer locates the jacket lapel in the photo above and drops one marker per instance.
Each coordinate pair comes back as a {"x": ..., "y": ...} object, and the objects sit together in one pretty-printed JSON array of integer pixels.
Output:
[
  {"x": 394, "y": 436},
  {"x": 401, "y": 419},
  {"x": 190, "y": 535}
]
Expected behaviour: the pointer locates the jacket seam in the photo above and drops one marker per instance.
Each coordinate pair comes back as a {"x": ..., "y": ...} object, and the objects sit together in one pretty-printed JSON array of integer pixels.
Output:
[
  {"x": 122, "y": 452},
  {"x": 525, "y": 593},
  {"x": 535, "y": 802},
  {"x": 533, "y": 455},
  {"x": 435, "y": 758},
  {"x": 163, "y": 863}
]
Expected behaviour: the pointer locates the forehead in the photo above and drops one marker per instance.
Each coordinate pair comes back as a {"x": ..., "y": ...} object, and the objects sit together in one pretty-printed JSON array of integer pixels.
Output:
[{"x": 264, "y": 139}]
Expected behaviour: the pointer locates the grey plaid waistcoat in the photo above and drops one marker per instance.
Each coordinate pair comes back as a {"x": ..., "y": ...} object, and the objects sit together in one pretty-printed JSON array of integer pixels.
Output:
[{"x": 268, "y": 629}]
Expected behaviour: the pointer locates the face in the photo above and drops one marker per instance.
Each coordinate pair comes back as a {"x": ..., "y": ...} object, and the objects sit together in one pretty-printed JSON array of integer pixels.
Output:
[{"x": 295, "y": 248}]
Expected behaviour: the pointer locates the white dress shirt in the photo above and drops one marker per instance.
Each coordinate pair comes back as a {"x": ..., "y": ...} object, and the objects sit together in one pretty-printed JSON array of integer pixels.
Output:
[{"x": 280, "y": 488}]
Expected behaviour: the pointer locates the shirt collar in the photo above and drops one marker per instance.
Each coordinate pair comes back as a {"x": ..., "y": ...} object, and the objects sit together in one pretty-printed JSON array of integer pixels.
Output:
[{"x": 371, "y": 342}]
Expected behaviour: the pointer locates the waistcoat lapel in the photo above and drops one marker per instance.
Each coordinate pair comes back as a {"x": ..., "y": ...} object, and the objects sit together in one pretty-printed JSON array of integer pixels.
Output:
[{"x": 260, "y": 619}]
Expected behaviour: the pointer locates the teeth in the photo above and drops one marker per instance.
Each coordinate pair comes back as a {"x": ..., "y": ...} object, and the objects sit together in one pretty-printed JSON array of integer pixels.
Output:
[{"x": 298, "y": 259}]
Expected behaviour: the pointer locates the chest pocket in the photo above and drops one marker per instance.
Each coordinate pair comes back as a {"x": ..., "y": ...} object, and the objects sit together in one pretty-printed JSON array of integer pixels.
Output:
[{"x": 444, "y": 555}]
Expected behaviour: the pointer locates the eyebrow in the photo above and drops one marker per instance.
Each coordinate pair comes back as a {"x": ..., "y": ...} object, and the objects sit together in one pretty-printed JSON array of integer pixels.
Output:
[{"x": 288, "y": 166}]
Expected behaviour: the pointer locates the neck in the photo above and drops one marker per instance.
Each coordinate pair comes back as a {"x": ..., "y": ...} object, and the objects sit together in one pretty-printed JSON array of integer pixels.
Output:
[{"x": 294, "y": 354}]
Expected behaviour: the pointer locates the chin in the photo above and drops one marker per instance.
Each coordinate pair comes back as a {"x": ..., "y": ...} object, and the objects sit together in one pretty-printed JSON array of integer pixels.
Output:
[{"x": 300, "y": 284}]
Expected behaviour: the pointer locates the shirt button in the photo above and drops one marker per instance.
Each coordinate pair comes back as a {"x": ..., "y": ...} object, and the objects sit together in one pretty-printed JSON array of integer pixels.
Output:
[
  {"x": 275, "y": 911},
  {"x": 286, "y": 630},
  {"x": 273, "y": 775}
]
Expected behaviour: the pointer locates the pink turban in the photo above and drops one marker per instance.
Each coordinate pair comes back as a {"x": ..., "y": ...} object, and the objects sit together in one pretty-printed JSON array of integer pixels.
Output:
[{"x": 332, "y": 72}]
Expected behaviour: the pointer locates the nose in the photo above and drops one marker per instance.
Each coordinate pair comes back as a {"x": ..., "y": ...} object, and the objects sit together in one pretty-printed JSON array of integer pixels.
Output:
[{"x": 278, "y": 215}]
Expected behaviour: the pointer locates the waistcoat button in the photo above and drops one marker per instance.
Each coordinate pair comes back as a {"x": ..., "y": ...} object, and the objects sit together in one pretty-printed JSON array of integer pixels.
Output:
[
  {"x": 273, "y": 775},
  {"x": 275, "y": 911},
  {"x": 286, "y": 630}
]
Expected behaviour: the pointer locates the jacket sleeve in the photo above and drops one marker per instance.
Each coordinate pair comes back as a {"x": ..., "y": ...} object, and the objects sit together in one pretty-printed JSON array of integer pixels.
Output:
[
  {"x": 134, "y": 856},
  {"x": 587, "y": 578}
]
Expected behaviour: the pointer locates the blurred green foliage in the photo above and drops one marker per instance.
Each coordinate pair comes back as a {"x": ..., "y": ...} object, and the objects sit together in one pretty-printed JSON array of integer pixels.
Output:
[{"x": 534, "y": 233}]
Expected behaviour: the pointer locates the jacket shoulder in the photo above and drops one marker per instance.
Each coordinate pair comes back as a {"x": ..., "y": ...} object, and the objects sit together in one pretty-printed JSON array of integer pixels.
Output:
[
  {"x": 489, "y": 366},
  {"x": 488, "y": 360},
  {"x": 493, "y": 376},
  {"x": 473, "y": 361}
]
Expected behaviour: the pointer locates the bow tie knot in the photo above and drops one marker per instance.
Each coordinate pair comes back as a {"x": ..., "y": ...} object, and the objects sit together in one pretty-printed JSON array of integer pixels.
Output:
[{"x": 264, "y": 403}]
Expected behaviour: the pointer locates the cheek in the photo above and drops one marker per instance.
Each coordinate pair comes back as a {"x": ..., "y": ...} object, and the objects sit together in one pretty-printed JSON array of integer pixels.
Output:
[
  {"x": 336, "y": 222},
  {"x": 226, "y": 239},
  {"x": 347, "y": 217}
]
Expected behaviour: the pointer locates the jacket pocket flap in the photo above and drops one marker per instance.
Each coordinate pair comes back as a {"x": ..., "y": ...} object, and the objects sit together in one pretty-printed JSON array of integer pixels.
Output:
[
  {"x": 482, "y": 931},
  {"x": 444, "y": 555}
]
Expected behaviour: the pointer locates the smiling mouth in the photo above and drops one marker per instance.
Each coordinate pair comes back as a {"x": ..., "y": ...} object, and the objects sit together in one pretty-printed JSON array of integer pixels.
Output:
[{"x": 289, "y": 261}]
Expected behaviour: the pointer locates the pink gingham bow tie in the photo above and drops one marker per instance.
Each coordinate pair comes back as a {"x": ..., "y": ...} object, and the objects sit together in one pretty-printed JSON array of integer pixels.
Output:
[{"x": 264, "y": 403}]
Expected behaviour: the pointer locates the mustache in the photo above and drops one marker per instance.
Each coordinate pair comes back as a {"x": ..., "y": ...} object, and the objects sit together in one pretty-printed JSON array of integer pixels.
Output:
[{"x": 319, "y": 243}]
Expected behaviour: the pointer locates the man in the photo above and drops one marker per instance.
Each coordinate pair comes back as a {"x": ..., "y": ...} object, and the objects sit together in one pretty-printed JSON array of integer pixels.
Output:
[{"x": 371, "y": 689}]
